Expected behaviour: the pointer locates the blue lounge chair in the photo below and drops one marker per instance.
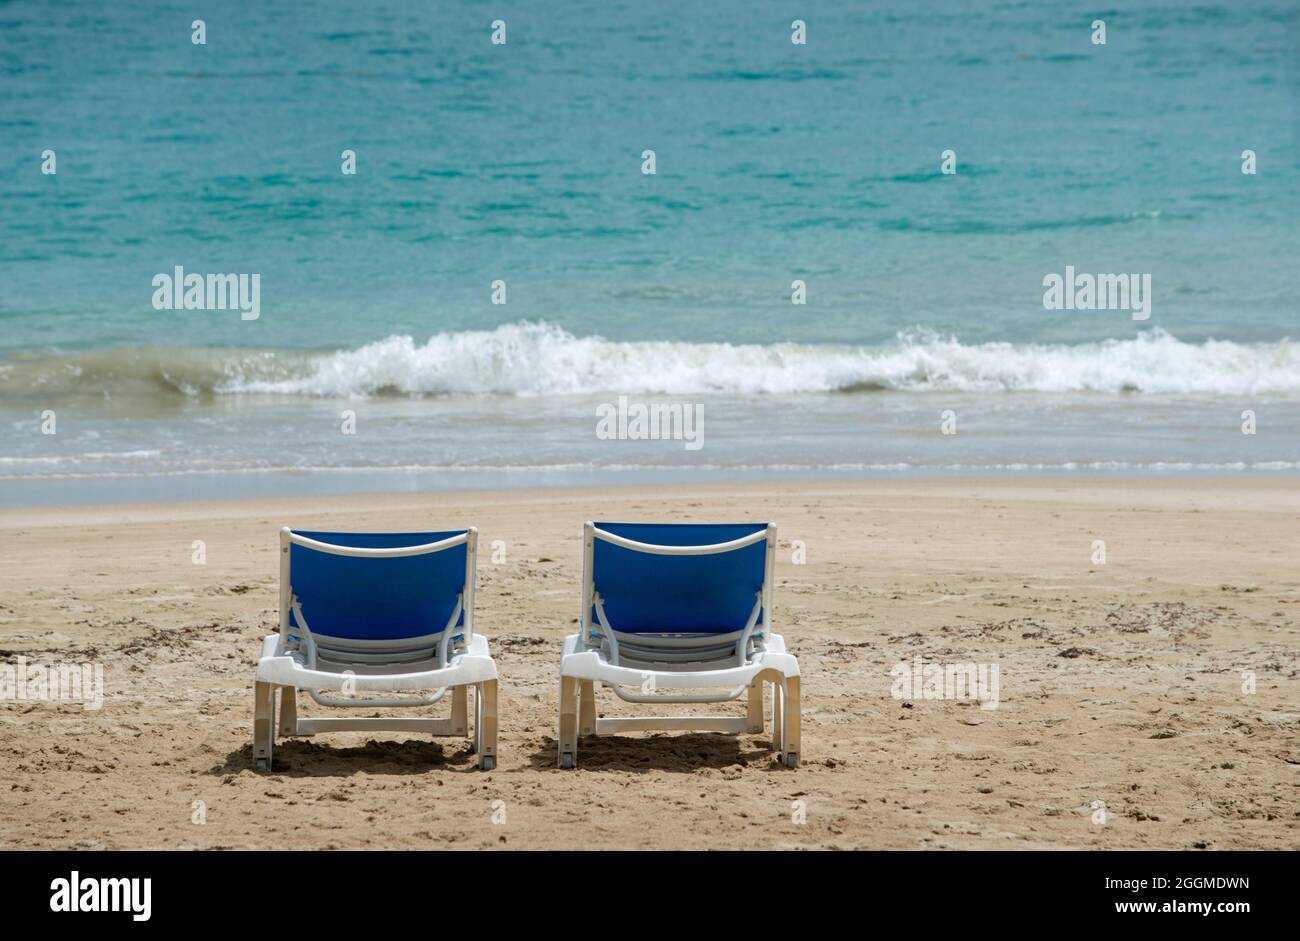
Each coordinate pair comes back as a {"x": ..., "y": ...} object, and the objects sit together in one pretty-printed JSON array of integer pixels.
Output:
[
  {"x": 376, "y": 613},
  {"x": 678, "y": 606}
]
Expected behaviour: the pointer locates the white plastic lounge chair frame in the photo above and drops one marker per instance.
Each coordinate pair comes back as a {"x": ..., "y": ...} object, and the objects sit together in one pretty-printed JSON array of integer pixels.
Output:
[
  {"x": 596, "y": 655},
  {"x": 291, "y": 660}
]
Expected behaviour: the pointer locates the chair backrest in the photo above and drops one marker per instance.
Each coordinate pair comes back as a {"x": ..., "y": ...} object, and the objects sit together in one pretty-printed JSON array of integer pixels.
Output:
[
  {"x": 647, "y": 592},
  {"x": 363, "y": 587}
]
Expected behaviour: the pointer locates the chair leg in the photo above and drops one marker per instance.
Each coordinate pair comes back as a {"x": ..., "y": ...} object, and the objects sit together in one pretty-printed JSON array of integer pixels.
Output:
[
  {"x": 586, "y": 707},
  {"x": 263, "y": 724},
  {"x": 288, "y": 710},
  {"x": 476, "y": 737},
  {"x": 485, "y": 729},
  {"x": 568, "y": 722},
  {"x": 459, "y": 711},
  {"x": 755, "y": 715},
  {"x": 790, "y": 736},
  {"x": 778, "y": 722}
]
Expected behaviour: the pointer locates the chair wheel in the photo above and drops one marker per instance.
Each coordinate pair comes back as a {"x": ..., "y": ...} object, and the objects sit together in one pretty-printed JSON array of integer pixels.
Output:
[
  {"x": 487, "y": 763},
  {"x": 566, "y": 760}
]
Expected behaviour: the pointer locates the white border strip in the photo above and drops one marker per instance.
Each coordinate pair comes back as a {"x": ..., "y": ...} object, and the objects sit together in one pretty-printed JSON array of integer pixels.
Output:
[
  {"x": 391, "y": 553},
  {"x": 680, "y": 550}
]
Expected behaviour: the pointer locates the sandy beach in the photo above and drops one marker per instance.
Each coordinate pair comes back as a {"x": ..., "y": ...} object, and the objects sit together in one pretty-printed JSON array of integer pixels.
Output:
[{"x": 1124, "y": 682}]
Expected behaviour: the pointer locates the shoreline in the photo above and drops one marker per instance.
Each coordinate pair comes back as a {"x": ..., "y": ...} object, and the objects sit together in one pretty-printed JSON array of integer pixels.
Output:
[
  {"x": 259, "y": 505},
  {"x": 652, "y": 479}
]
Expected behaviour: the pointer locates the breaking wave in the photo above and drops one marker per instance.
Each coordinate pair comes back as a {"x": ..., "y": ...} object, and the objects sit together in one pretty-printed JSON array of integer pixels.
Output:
[{"x": 539, "y": 359}]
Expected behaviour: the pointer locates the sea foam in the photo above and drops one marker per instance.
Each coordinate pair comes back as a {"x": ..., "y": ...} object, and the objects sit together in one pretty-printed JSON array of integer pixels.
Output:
[{"x": 541, "y": 359}]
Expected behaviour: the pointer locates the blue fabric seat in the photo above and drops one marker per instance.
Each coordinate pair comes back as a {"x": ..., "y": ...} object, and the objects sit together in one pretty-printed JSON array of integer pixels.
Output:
[
  {"x": 369, "y": 598},
  {"x": 645, "y": 593}
]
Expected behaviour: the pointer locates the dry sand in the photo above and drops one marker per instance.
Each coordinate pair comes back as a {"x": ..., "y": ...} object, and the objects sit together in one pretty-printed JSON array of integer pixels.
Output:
[{"x": 1120, "y": 683}]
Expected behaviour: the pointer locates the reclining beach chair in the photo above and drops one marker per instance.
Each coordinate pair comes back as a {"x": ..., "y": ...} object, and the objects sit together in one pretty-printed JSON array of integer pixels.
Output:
[
  {"x": 678, "y": 606},
  {"x": 376, "y": 613}
]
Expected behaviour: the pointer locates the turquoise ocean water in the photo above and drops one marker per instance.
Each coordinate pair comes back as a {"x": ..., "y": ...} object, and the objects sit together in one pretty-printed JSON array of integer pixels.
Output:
[{"x": 522, "y": 163}]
